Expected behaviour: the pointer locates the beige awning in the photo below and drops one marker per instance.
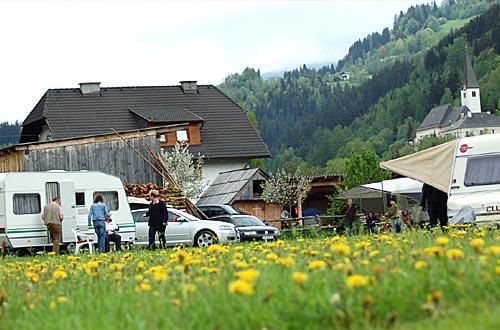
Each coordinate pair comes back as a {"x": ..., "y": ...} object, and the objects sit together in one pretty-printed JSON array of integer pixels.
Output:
[{"x": 432, "y": 166}]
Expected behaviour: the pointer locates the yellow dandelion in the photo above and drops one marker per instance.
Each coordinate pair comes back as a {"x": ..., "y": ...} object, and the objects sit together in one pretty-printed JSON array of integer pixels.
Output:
[
  {"x": 241, "y": 287},
  {"x": 442, "y": 240},
  {"x": 287, "y": 262},
  {"x": 189, "y": 287},
  {"x": 357, "y": 281},
  {"x": 59, "y": 275},
  {"x": 61, "y": 299},
  {"x": 420, "y": 264},
  {"x": 494, "y": 250},
  {"x": 300, "y": 277},
  {"x": 213, "y": 270},
  {"x": 477, "y": 244},
  {"x": 143, "y": 287},
  {"x": 341, "y": 248},
  {"x": 317, "y": 265},
  {"x": 434, "y": 297},
  {"x": 455, "y": 254},
  {"x": 249, "y": 275}
]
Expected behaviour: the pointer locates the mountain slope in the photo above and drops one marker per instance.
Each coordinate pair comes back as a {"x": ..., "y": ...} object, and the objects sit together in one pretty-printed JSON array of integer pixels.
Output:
[{"x": 310, "y": 116}]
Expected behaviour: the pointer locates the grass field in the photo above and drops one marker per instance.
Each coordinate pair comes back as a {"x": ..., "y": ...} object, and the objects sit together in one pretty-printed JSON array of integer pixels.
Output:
[{"x": 418, "y": 280}]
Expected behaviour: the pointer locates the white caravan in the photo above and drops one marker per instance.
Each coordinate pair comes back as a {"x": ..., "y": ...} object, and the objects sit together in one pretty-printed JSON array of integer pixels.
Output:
[
  {"x": 475, "y": 179},
  {"x": 468, "y": 169},
  {"x": 23, "y": 196}
]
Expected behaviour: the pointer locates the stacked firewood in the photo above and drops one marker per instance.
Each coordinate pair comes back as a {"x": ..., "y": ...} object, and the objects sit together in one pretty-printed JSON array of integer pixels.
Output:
[{"x": 170, "y": 194}]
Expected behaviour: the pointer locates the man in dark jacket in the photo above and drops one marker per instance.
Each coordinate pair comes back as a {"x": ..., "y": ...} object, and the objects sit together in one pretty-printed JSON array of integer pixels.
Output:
[
  {"x": 349, "y": 211},
  {"x": 435, "y": 202},
  {"x": 158, "y": 217}
]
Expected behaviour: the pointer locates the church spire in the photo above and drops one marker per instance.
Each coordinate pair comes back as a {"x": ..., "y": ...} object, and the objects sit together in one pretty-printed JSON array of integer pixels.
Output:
[
  {"x": 470, "y": 80},
  {"x": 470, "y": 88}
]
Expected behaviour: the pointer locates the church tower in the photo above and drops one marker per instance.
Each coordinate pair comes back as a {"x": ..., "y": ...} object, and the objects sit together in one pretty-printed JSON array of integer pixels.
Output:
[{"x": 470, "y": 88}]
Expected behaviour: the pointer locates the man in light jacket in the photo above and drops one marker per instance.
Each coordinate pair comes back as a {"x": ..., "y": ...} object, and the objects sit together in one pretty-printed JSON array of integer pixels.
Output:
[{"x": 52, "y": 217}]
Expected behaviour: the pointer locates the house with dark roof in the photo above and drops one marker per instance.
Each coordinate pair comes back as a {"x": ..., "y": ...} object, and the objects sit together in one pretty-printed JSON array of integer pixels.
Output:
[
  {"x": 466, "y": 120},
  {"x": 200, "y": 116}
]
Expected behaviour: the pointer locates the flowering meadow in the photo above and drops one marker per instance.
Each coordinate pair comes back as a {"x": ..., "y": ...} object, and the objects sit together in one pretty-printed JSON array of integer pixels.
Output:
[{"x": 414, "y": 280}]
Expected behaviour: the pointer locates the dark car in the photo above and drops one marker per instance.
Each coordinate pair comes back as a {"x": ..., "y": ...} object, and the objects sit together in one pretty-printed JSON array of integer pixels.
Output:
[
  {"x": 215, "y": 210},
  {"x": 250, "y": 227}
]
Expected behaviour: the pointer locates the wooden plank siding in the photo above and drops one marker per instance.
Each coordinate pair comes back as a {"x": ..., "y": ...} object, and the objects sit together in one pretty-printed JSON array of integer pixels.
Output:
[
  {"x": 260, "y": 209},
  {"x": 12, "y": 161},
  {"x": 113, "y": 157}
]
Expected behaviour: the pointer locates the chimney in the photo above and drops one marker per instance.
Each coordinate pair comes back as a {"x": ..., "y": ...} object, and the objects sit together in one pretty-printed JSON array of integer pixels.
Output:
[
  {"x": 189, "y": 86},
  {"x": 90, "y": 88}
]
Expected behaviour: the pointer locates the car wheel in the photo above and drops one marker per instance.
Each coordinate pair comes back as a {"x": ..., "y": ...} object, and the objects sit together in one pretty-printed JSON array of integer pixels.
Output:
[{"x": 205, "y": 238}]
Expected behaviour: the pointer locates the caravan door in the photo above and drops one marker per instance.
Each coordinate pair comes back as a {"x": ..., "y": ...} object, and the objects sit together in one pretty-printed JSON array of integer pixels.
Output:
[{"x": 68, "y": 205}]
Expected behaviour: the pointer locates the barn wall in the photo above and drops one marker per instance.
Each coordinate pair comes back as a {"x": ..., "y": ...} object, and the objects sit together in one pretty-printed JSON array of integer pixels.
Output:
[
  {"x": 111, "y": 157},
  {"x": 260, "y": 209},
  {"x": 12, "y": 161}
]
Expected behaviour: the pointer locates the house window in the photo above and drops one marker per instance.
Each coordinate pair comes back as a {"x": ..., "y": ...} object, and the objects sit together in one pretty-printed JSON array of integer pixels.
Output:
[
  {"x": 163, "y": 138},
  {"x": 182, "y": 135},
  {"x": 52, "y": 190},
  {"x": 80, "y": 199},
  {"x": 465, "y": 95},
  {"x": 26, "y": 204},
  {"x": 473, "y": 93},
  {"x": 110, "y": 199}
]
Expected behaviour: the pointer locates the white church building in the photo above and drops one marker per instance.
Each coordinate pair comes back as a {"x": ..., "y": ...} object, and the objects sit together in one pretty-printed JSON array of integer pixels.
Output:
[{"x": 466, "y": 120}]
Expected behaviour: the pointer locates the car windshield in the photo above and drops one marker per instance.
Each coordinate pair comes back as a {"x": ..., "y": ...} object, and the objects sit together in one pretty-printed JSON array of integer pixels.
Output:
[
  {"x": 246, "y": 221},
  {"x": 185, "y": 215}
]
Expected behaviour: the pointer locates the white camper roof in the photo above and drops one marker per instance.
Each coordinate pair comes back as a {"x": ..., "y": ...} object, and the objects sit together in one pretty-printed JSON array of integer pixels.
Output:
[
  {"x": 434, "y": 166},
  {"x": 401, "y": 186}
]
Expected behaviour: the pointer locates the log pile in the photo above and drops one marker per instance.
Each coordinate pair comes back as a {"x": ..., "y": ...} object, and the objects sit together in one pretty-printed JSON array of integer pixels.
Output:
[
  {"x": 169, "y": 194},
  {"x": 172, "y": 195}
]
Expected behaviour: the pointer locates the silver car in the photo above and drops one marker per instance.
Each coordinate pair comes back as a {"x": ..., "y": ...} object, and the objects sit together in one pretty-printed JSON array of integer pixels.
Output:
[{"x": 183, "y": 228}]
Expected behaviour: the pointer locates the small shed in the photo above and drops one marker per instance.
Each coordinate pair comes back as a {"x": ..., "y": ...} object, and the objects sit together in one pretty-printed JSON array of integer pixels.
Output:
[
  {"x": 317, "y": 202},
  {"x": 242, "y": 189}
]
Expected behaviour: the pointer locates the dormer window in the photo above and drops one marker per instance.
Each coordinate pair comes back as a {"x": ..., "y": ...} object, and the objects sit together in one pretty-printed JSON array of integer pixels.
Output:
[{"x": 182, "y": 135}]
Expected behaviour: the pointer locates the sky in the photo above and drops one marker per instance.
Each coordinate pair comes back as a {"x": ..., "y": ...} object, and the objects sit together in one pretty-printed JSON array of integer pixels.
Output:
[{"x": 58, "y": 44}]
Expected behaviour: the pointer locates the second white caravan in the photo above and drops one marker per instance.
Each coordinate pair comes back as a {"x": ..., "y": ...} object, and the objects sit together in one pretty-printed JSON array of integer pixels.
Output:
[{"x": 24, "y": 194}]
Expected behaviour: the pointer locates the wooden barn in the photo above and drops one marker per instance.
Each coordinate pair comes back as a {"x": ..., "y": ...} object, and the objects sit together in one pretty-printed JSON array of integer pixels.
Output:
[
  {"x": 317, "y": 202},
  {"x": 242, "y": 189}
]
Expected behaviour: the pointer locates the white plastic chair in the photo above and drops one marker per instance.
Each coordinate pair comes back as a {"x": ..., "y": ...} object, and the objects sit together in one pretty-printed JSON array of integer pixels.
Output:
[{"x": 83, "y": 239}]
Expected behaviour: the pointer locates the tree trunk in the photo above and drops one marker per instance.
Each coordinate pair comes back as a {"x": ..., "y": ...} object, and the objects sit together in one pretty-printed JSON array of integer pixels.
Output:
[{"x": 299, "y": 206}]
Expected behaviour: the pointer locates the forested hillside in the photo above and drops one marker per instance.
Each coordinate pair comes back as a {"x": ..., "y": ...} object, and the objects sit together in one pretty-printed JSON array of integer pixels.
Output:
[
  {"x": 9, "y": 133},
  {"x": 309, "y": 117}
]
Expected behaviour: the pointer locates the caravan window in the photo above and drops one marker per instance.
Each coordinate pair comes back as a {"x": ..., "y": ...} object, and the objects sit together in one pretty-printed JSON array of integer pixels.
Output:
[
  {"x": 79, "y": 199},
  {"x": 26, "y": 204},
  {"x": 482, "y": 170},
  {"x": 110, "y": 198},
  {"x": 52, "y": 190}
]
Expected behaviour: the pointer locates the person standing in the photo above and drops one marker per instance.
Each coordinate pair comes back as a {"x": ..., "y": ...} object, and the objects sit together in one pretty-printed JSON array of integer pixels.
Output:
[
  {"x": 52, "y": 217},
  {"x": 112, "y": 234},
  {"x": 158, "y": 216},
  {"x": 97, "y": 214},
  {"x": 394, "y": 216},
  {"x": 349, "y": 212},
  {"x": 435, "y": 202}
]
